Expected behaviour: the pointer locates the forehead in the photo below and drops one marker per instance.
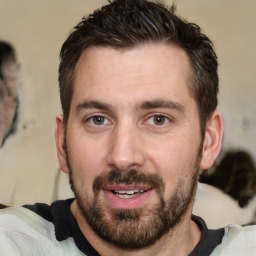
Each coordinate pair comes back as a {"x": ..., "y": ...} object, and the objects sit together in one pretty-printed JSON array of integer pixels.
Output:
[{"x": 142, "y": 71}]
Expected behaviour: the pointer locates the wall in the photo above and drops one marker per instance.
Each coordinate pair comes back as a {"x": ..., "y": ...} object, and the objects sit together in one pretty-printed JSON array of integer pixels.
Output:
[
  {"x": 231, "y": 26},
  {"x": 37, "y": 29}
]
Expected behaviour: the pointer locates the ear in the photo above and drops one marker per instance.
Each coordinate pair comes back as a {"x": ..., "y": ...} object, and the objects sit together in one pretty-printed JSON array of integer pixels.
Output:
[
  {"x": 212, "y": 140},
  {"x": 60, "y": 143}
]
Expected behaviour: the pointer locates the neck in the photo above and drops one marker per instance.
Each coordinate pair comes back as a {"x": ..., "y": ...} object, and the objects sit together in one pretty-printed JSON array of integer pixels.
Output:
[{"x": 179, "y": 241}]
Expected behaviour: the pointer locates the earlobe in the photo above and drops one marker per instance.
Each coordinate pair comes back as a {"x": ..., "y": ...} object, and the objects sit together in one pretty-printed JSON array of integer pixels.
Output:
[
  {"x": 60, "y": 143},
  {"x": 212, "y": 140}
]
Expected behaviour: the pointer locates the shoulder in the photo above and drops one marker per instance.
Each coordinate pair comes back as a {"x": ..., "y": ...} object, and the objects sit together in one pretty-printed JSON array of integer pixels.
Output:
[
  {"x": 24, "y": 232},
  {"x": 22, "y": 220},
  {"x": 21, "y": 230},
  {"x": 237, "y": 241}
]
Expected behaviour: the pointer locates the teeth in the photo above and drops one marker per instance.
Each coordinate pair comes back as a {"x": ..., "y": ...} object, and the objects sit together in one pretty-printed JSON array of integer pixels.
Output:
[
  {"x": 119, "y": 192},
  {"x": 130, "y": 192},
  {"x": 124, "y": 195},
  {"x": 127, "y": 193}
]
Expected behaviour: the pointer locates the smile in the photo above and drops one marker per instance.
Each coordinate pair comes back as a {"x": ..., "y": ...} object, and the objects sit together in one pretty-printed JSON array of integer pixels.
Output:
[
  {"x": 127, "y": 193},
  {"x": 127, "y": 197}
]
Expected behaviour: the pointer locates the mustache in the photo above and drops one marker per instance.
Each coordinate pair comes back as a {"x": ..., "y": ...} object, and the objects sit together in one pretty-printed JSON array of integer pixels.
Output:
[{"x": 132, "y": 176}]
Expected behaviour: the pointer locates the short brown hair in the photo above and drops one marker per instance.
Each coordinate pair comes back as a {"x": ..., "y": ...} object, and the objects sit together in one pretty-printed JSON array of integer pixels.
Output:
[{"x": 128, "y": 23}]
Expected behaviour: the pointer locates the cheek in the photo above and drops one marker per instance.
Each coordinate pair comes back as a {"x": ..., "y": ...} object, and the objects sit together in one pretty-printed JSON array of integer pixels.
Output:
[
  {"x": 86, "y": 159},
  {"x": 174, "y": 160}
]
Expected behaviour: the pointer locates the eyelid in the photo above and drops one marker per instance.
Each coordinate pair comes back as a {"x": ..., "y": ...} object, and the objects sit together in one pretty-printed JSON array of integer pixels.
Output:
[
  {"x": 88, "y": 117},
  {"x": 167, "y": 117}
]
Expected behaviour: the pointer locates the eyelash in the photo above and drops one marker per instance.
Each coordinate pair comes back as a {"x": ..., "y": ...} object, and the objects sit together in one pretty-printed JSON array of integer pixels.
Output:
[
  {"x": 91, "y": 120},
  {"x": 166, "y": 119}
]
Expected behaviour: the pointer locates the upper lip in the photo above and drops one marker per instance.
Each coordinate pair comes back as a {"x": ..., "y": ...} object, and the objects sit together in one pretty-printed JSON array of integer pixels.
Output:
[{"x": 124, "y": 187}]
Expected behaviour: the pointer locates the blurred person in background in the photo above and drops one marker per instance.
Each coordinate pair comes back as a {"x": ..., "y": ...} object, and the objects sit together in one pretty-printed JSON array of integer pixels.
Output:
[
  {"x": 9, "y": 83},
  {"x": 226, "y": 193}
]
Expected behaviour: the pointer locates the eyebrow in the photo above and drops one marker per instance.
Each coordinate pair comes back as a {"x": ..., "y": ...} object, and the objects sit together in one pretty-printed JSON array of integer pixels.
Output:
[
  {"x": 145, "y": 105},
  {"x": 161, "y": 103},
  {"x": 93, "y": 104}
]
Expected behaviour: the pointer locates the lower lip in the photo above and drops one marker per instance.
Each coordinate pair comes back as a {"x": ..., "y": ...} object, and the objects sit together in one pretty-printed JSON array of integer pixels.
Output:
[{"x": 127, "y": 203}]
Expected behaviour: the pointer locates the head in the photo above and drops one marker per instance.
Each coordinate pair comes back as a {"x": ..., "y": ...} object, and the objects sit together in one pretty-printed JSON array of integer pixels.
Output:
[
  {"x": 8, "y": 91},
  {"x": 127, "y": 24},
  {"x": 138, "y": 89}
]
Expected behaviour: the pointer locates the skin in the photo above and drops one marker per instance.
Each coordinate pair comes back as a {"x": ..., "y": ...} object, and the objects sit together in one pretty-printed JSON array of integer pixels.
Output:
[{"x": 130, "y": 137}]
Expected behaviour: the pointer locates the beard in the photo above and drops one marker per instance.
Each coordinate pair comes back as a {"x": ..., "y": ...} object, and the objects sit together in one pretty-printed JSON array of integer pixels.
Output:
[{"x": 141, "y": 227}]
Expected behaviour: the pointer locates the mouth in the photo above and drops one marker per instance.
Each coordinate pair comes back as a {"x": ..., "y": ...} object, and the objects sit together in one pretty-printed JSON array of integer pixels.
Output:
[
  {"x": 128, "y": 193},
  {"x": 126, "y": 197}
]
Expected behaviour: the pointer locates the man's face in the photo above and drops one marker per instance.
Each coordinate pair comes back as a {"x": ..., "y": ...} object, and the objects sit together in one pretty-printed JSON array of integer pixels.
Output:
[{"x": 133, "y": 142}]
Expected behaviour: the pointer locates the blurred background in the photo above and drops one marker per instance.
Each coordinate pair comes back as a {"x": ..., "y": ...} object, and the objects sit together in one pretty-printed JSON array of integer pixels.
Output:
[{"x": 37, "y": 29}]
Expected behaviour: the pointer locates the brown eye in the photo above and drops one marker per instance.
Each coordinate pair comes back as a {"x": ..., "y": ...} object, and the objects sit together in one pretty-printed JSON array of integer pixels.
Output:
[
  {"x": 159, "y": 120},
  {"x": 98, "y": 120}
]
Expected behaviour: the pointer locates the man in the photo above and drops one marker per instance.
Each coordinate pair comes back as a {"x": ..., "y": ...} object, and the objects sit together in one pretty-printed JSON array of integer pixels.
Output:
[
  {"x": 8, "y": 91},
  {"x": 138, "y": 88}
]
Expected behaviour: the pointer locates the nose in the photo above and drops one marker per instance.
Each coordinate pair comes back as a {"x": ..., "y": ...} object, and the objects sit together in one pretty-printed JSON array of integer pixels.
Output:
[{"x": 125, "y": 148}]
